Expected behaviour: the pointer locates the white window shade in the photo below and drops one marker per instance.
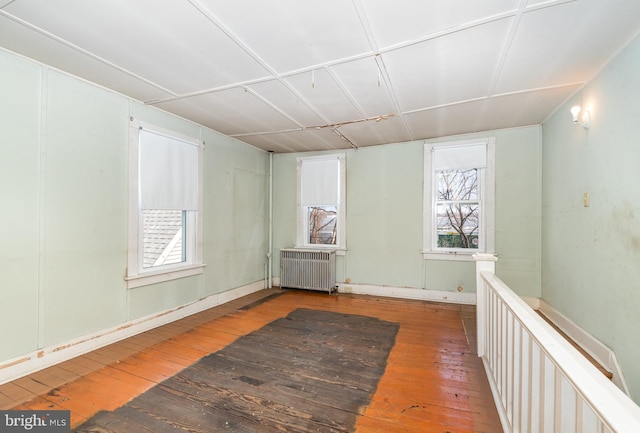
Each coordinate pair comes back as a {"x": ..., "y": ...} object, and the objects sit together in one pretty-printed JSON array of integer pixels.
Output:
[
  {"x": 168, "y": 172},
  {"x": 320, "y": 182},
  {"x": 460, "y": 157}
]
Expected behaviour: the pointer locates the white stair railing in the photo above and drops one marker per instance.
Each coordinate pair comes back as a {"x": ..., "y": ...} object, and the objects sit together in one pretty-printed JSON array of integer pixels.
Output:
[{"x": 540, "y": 382}]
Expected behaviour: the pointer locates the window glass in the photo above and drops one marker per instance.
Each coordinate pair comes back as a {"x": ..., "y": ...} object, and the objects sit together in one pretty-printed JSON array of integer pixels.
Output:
[
  {"x": 457, "y": 209},
  {"x": 321, "y": 201},
  {"x": 163, "y": 237},
  {"x": 168, "y": 191},
  {"x": 165, "y": 201},
  {"x": 459, "y": 199},
  {"x": 322, "y": 224},
  {"x": 457, "y": 185}
]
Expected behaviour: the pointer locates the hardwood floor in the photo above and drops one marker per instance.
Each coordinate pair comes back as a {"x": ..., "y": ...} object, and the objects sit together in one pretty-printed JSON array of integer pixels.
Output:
[{"x": 433, "y": 382}]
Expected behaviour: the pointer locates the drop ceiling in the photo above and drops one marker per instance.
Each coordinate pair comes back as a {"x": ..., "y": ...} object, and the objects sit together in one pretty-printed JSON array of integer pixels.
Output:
[{"x": 296, "y": 75}]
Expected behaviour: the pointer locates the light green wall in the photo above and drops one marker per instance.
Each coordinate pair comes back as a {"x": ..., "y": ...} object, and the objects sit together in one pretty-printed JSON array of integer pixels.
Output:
[
  {"x": 384, "y": 216},
  {"x": 591, "y": 255},
  {"x": 518, "y": 201},
  {"x": 63, "y": 229},
  {"x": 19, "y": 221},
  {"x": 63, "y": 160},
  {"x": 83, "y": 230},
  {"x": 236, "y": 229},
  {"x": 384, "y": 226}
]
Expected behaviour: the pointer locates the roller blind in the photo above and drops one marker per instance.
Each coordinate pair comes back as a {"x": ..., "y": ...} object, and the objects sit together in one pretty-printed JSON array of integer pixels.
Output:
[
  {"x": 460, "y": 157},
  {"x": 320, "y": 182},
  {"x": 168, "y": 172}
]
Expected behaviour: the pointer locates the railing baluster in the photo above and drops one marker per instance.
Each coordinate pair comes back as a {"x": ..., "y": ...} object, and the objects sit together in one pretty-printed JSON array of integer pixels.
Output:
[
  {"x": 557, "y": 395},
  {"x": 500, "y": 341},
  {"x": 542, "y": 389},
  {"x": 494, "y": 332},
  {"x": 517, "y": 375},
  {"x": 541, "y": 384},
  {"x": 579, "y": 413},
  {"x": 529, "y": 395},
  {"x": 510, "y": 366}
]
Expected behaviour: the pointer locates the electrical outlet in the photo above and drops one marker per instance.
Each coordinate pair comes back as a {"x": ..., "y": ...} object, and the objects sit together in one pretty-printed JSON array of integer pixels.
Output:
[{"x": 585, "y": 199}]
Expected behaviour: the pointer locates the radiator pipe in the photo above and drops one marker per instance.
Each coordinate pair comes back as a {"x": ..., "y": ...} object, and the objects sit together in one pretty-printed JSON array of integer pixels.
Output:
[{"x": 270, "y": 228}]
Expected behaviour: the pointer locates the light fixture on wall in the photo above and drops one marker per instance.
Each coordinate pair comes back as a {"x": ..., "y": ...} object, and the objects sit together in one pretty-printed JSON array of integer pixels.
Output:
[{"x": 586, "y": 117}]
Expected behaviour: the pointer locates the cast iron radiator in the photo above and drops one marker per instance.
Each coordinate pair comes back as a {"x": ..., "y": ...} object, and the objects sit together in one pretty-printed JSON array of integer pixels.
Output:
[{"x": 308, "y": 269}]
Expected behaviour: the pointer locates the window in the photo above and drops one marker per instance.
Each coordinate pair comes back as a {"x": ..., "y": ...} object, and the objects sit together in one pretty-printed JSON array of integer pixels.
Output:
[
  {"x": 459, "y": 199},
  {"x": 164, "y": 205},
  {"x": 321, "y": 192}
]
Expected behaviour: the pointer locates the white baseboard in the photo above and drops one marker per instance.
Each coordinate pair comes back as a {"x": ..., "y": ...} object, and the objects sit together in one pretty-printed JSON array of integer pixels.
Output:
[
  {"x": 532, "y": 302},
  {"x": 403, "y": 293},
  {"x": 409, "y": 293},
  {"x": 31, "y": 362},
  {"x": 605, "y": 356}
]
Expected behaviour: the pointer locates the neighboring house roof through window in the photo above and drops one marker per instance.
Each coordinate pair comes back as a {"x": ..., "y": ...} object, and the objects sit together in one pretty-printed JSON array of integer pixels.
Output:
[{"x": 162, "y": 237}]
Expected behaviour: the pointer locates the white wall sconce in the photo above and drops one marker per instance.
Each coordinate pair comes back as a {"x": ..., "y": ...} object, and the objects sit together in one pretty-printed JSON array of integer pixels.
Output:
[{"x": 586, "y": 117}]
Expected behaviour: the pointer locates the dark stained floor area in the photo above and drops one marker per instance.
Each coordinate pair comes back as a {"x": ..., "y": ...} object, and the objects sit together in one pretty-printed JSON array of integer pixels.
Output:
[{"x": 433, "y": 381}]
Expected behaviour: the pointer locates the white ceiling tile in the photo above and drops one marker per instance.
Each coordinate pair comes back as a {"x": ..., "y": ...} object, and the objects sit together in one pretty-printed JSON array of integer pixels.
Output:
[
  {"x": 445, "y": 121},
  {"x": 522, "y": 109},
  {"x": 300, "y": 141},
  {"x": 448, "y": 69},
  {"x": 23, "y": 40},
  {"x": 287, "y": 101},
  {"x": 447, "y": 66},
  {"x": 231, "y": 112},
  {"x": 363, "y": 80},
  {"x": 271, "y": 143},
  {"x": 399, "y": 21},
  {"x": 371, "y": 133},
  {"x": 487, "y": 114},
  {"x": 174, "y": 46},
  {"x": 324, "y": 96},
  {"x": 566, "y": 43},
  {"x": 300, "y": 33}
]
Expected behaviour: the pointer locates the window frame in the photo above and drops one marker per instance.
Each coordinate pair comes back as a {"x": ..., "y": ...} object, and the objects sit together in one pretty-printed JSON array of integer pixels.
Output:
[
  {"x": 486, "y": 187},
  {"x": 137, "y": 275},
  {"x": 302, "y": 232}
]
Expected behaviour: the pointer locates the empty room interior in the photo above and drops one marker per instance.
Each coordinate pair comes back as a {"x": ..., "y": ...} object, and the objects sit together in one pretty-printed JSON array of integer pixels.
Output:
[{"x": 336, "y": 216}]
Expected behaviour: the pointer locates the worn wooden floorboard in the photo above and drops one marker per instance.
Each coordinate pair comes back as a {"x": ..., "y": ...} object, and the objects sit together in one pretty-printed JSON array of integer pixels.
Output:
[
  {"x": 433, "y": 380},
  {"x": 311, "y": 371}
]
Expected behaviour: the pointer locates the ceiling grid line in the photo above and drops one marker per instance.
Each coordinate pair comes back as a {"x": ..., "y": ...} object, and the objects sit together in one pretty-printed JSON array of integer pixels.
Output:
[
  {"x": 272, "y": 105},
  {"x": 82, "y": 51},
  {"x": 366, "y": 24},
  {"x": 385, "y": 72},
  {"x": 237, "y": 40},
  {"x": 513, "y": 28}
]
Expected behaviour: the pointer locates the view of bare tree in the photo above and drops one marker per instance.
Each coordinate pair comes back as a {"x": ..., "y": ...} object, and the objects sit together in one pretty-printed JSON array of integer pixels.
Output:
[
  {"x": 457, "y": 208},
  {"x": 322, "y": 225}
]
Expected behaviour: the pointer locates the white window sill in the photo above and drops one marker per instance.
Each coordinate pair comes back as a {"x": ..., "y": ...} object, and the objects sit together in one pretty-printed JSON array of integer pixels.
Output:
[
  {"x": 449, "y": 256},
  {"x": 148, "y": 278}
]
